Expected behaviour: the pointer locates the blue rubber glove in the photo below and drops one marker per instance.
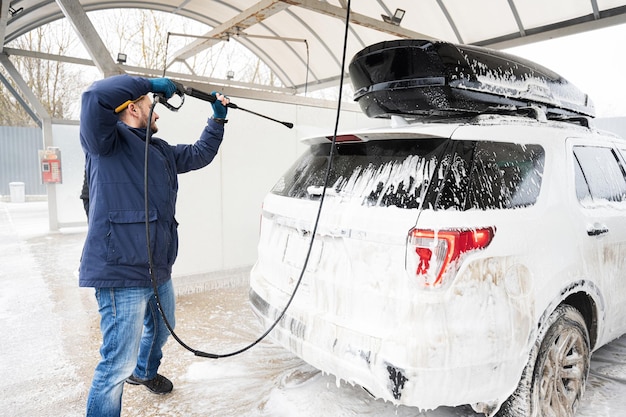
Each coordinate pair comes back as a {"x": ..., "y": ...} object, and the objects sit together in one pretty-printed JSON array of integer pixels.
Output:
[
  {"x": 219, "y": 111},
  {"x": 163, "y": 86}
]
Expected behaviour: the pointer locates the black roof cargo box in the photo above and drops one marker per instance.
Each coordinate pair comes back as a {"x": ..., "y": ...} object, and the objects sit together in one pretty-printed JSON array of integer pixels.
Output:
[{"x": 422, "y": 78}]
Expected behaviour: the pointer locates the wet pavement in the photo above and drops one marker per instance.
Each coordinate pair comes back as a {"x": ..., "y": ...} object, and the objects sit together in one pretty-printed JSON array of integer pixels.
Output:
[{"x": 51, "y": 339}]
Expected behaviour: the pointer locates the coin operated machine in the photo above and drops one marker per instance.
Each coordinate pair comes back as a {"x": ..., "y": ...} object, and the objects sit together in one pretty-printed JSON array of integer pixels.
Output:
[{"x": 50, "y": 164}]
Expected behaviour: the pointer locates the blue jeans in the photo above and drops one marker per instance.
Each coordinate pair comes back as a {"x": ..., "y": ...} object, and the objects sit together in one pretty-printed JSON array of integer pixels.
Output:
[{"x": 133, "y": 335}]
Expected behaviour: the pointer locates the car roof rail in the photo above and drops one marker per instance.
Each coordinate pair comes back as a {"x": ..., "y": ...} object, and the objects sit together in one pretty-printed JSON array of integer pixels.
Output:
[
  {"x": 534, "y": 112},
  {"x": 583, "y": 121},
  {"x": 538, "y": 113}
]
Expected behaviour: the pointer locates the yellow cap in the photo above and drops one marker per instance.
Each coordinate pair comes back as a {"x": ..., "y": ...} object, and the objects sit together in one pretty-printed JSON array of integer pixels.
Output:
[{"x": 123, "y": 106}]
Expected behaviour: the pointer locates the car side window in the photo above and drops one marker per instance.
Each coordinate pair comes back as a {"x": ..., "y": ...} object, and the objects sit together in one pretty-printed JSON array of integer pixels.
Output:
[
  {"x": 582, "y": 188},
  {"x": 599, "y": 176},
  {"x": 492, "y": 176},
  {"x": 622, "y": 154}
]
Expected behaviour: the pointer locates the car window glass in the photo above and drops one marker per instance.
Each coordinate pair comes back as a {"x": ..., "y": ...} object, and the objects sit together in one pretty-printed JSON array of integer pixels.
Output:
[
  {"x": 582, "y": 188},
  {"x": 492, "y": 175},
  {"x": 379, "y": 173},
  {"x": 622, "y": 154},
  {"x": 469, "y": 174},
  {"x": 602, "y": 174}
]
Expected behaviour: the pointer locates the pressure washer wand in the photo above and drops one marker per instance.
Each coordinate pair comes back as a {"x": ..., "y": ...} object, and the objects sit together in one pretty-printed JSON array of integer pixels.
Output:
[{"x": 201, "y": 95}]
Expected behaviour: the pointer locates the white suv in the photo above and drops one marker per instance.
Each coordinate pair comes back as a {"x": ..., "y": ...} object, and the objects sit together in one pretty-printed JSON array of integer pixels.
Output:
[{"x": 474, "y": 252}]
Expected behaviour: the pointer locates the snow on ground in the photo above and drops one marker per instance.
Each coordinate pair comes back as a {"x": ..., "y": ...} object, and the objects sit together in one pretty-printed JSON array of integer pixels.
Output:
[{"x": 51, "y": 339}]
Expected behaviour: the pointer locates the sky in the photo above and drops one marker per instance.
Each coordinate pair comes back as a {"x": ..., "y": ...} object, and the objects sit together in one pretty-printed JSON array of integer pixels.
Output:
[{"x": 594, "y": 61}]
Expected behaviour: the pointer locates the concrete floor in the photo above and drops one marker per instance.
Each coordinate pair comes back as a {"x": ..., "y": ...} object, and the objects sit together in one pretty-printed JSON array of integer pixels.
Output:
[{"x": 51, "y": 339}]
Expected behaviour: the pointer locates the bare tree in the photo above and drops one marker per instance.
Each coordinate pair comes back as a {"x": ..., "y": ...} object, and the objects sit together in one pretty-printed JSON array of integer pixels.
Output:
[
  {"x": 54, "y": 83},
  {"x": 142, "y": 35}
]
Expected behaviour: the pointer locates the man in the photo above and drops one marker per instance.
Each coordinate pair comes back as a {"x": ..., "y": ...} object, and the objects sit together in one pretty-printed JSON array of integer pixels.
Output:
[{"x": 113, "y": 127}]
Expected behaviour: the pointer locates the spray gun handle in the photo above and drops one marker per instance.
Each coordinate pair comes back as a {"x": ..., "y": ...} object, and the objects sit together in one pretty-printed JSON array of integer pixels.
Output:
[
  {"x": 180, "y": 89},
  {"x": 180, "y": 92}
]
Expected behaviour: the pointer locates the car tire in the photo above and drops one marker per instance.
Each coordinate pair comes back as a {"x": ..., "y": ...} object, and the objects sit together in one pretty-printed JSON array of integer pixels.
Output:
[{"x": 554, "y": 379}]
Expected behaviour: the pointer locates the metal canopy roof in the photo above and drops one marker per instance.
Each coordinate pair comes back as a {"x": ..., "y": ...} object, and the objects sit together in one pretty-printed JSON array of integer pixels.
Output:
[{"x": 301, "y": 40}]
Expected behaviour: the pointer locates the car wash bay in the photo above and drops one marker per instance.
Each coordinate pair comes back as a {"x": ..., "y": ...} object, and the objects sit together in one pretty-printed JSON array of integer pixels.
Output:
[{"x": 51, "y": 337}]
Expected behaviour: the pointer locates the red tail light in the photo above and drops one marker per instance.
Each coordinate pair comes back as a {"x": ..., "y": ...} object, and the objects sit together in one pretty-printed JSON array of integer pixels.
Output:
[{"x": 431, "y": 254}]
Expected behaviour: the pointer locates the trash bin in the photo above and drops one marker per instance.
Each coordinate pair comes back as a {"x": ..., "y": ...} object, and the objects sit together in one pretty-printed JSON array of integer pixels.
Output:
[{"x": 17, "y": 192}]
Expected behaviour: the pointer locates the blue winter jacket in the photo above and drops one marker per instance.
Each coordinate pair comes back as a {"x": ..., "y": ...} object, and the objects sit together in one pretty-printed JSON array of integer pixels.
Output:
[{"x": 115, "y": 252}]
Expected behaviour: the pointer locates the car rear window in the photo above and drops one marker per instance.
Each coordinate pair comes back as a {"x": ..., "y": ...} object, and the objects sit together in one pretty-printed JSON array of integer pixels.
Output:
[{"x": 406, "y": 173}]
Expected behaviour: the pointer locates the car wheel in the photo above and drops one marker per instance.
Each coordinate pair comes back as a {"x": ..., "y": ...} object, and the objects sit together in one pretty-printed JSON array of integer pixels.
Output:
[{"x": 554, "y": 379}]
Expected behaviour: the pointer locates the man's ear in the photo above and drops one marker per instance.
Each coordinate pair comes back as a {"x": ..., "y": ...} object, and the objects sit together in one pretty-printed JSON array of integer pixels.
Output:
[{"x": 132, "y": 109}]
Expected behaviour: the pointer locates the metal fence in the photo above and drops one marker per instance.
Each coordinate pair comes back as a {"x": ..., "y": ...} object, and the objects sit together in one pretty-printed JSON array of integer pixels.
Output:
[{"x": 19, "y": 159}]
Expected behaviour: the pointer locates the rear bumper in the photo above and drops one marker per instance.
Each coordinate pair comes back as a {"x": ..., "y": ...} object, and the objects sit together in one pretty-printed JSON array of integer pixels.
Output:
[{"x": 421, "y": 369}]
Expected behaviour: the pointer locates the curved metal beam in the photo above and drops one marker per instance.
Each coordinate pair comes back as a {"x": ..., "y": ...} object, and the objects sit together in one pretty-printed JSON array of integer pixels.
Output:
[
  {"x": 86, "y": 32},
  {"x": 518, "y": 20},
  {"x": 455, "y": 29}
]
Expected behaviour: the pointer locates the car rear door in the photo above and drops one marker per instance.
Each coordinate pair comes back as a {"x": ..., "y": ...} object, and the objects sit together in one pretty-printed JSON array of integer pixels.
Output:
[{"x": 600, "y": 184}]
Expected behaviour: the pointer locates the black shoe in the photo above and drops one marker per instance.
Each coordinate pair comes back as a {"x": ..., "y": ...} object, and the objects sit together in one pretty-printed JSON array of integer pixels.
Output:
[{"x": 158, "y": 385}]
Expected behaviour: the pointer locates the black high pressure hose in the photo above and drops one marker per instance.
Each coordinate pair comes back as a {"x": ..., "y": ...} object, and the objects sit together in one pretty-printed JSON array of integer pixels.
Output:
[{"x": 314, "y": 232}]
